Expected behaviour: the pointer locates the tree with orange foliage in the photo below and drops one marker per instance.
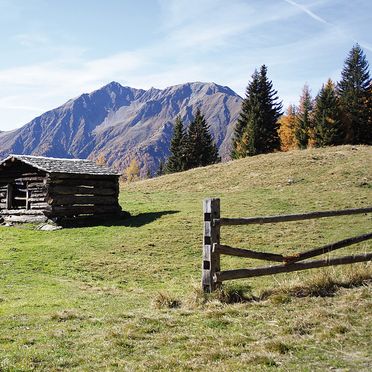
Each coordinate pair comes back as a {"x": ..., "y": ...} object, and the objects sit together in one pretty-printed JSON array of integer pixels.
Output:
[
  {"x": 101, "y": 159},
  {"x": 287, "y": 129},
  {"x": 132, "y": 172}
]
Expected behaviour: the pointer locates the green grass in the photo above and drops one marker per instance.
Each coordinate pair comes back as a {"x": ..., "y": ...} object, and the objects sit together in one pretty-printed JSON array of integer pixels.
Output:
[{"x": 125, "y": 295}]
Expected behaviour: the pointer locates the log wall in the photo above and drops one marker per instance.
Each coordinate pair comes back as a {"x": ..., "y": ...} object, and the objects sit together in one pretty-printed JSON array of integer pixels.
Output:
[
  {"x": 30, "y": 195},
  {"x": 76, "y": 195},
  {"x": 23, "y": 193}
]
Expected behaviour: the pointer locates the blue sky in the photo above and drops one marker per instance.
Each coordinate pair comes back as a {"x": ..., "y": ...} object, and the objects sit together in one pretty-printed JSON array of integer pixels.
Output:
[{"x": 53, "y": 50}]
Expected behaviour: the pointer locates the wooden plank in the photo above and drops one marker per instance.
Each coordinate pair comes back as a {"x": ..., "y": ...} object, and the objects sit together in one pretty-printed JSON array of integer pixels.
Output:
[
  {"x": 247, "y": 253},
  {"x": 18, "y": 212},
  {"x": 36, "y": 199},
  {"x": 327, "y": 248},
  {"x": 81, "y": 199},
  {"x": 84, "y": 209},
  {"x": 83, "y": 182},
  {"x": 33, "y": 178},
  {"x": 211, "y": 236},
  {"x": 44, "y": 206},
  {"x": 298, "y": 266},
  {"x": 9, "y": 196},
  {"x": 25, "y": 219},
  {"x": 291, "y": 217},
  {"x": 90, "y": 190},
  {"x": 75, "y": 176}
]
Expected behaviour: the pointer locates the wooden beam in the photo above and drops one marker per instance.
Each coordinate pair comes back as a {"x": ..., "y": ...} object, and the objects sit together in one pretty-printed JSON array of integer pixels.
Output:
[
  {"x": 89, "y": 189},
  {"x": 327, "y": 248},
  {"x": 82, "y": 199},
  {"x": 84, "y": 182},
  {"x": 247, "y": 253},
  {"x": 211, "y": 236},
  {"x": 290, "y": 217},
  {"x": 18, "y": 212},
  {"x": 9, "y": 196},
  {"x": 270, "y": 270},
  {"x": 25, "y": 219}
]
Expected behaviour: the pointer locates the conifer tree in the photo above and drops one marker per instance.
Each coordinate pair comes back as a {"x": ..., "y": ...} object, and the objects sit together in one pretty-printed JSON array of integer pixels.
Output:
[
  {"x": 303, "y": 118},
  {"x": 256, "y": 131},
  {"x": 200, "y": 148},
  {"x": 354, "y": 92},
  {"x": 327, "y": 117},
  {"x": 177, "y": 160},
  {"x": 287, "y": 129},
  {"x": 161, "y": 169}
]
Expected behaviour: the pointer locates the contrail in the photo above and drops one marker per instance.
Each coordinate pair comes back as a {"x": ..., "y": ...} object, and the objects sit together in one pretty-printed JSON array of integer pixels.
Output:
[{"x": 307, "y": 11}]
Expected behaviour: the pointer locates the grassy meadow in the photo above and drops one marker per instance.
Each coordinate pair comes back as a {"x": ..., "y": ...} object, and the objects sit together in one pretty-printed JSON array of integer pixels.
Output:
[{"x": 125, "y": 295}]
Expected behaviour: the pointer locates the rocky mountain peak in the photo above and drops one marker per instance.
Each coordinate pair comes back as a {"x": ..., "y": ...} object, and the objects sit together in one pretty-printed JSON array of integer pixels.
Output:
[{"x": 124, "y": 123}]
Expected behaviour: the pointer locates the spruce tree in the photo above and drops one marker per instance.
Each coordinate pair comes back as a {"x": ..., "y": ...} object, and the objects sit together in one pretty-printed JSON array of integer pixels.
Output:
[
  {"x": 327, "y": 117},
  {"x": 354, "y": 92},
  {"x": 303, "y": 119},
  {"x": 200, "y": 148},
  {"x": 256, "y": 131},
  {"x": 177, "y": 160},
  {"x": 160, "y": 170}
]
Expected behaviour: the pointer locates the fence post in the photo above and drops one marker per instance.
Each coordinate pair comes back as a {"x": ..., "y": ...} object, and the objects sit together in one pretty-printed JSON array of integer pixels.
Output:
[{"x": 211, "y": 236}]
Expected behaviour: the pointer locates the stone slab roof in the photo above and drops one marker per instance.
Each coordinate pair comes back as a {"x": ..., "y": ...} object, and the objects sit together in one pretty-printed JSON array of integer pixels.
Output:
[{"x": 59, "y": 165}]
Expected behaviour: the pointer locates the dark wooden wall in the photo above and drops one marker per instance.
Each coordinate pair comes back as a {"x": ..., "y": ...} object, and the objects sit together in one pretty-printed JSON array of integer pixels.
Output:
[
  {"x": 30, "y": 195},
  {"x": 74, "y": 195}
]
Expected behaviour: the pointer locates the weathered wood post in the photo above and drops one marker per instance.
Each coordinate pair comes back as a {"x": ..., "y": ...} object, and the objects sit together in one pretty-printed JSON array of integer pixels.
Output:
[{"x": 211, "y": 236}]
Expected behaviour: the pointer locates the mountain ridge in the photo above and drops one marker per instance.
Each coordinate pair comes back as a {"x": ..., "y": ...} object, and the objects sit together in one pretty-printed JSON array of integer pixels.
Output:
[{"x": 122, "y": 123}]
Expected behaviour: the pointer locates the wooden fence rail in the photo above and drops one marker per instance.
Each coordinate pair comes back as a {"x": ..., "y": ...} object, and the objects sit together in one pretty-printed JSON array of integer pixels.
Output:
[{"x": 212, "y": 276}]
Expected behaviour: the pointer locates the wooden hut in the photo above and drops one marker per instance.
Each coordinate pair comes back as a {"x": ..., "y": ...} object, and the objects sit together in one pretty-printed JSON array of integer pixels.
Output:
[{"x": 35, "y": 189}]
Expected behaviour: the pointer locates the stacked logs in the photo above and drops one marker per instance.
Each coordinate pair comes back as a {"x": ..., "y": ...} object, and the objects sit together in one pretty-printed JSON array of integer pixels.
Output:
[{"x": 75, "y": 195}]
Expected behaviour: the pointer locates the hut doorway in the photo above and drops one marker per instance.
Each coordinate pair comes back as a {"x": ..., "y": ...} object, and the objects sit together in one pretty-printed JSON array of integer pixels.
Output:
[{"x": 17, "y": 195}]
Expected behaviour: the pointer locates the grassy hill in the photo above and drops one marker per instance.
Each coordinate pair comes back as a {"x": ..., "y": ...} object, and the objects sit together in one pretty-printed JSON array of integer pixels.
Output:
[{"x": 125, "y": 295}]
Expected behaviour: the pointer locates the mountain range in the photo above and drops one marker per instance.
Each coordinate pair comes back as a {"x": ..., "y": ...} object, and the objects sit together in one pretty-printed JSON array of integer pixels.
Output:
[{"x": 123, "y": 123}]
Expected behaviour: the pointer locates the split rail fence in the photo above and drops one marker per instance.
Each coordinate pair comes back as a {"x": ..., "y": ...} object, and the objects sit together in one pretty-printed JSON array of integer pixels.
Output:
[{"x": 212, "y": 276}]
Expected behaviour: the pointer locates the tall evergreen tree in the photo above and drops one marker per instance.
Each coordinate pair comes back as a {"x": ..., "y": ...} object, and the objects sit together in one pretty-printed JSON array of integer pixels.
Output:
[
  {"x": 177, "y": 160},
  {"x": 161, "y": 169},
  {"x": 200, "y": 147},
  {"x": 327, "y": 117},
  {"x": 303, "y": 119},
  {"x": 256, "y": 131},
  {"x": 354, "y": 92}
]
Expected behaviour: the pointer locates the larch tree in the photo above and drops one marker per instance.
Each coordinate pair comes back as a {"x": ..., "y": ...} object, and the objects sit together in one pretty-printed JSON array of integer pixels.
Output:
[
  {"x": 354, "y": 91},
  {"x": 287, "y": 128},
  {"x": 101, "y": 159},
  {"x": 132, "y": 172},
  {"x": 256, "y": 131},
  {"x": 303, "y": 118},
  {"x": 327, "y": 124}
]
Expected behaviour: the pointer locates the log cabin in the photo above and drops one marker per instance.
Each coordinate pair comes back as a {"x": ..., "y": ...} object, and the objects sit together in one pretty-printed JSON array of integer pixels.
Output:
[{"x": 38, "y": 189}]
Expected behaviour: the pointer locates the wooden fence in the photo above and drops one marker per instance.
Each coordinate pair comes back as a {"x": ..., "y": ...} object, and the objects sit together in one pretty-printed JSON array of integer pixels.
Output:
[{"x": 212, "y": 276}]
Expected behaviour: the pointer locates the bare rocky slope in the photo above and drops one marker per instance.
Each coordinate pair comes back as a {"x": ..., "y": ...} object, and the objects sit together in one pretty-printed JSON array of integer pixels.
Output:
[{"x": 124, "y": 123}]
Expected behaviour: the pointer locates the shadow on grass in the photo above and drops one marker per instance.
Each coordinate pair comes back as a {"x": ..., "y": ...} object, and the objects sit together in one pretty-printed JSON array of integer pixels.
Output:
[
  {"x": 145, "y": 218},
  {"x": 123, "y": 219}
]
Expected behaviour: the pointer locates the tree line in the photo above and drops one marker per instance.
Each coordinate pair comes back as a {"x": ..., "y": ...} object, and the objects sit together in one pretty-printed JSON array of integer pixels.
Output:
[{"x": 341, "y": 113}]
